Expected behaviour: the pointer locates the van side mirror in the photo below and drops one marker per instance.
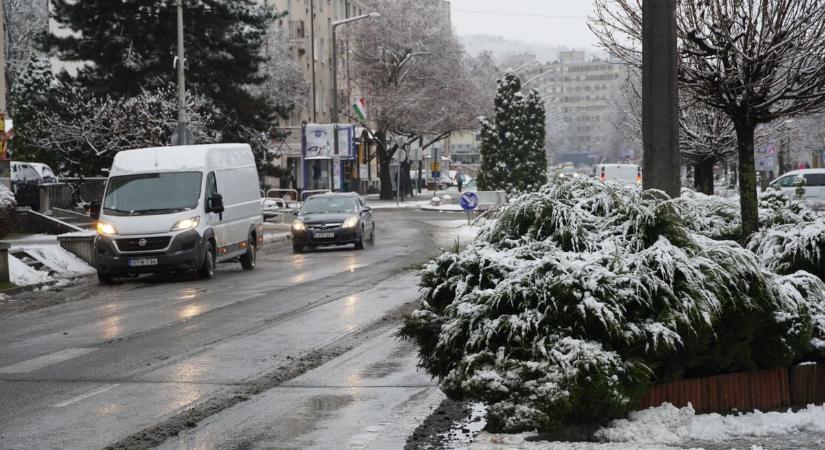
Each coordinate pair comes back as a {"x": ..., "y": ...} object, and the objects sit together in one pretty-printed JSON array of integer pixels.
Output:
[
  {"x": 215, "y": 205},
  {"x": 94, "y": 209}
]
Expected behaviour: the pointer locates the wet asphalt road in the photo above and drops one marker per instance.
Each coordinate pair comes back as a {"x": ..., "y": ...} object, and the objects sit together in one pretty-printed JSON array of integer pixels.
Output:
[{"x": 300, "y": 353}]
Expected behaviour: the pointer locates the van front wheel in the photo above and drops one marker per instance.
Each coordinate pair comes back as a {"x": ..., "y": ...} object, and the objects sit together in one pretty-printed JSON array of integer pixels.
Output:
[
  {"x": 207, "y": 270},
  {"x": 248, "y": 259}
]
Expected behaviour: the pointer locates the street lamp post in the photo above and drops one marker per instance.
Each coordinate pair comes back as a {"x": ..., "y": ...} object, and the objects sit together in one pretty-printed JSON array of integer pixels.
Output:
[
  {"x": 335, "y": 26},
  {"x": 183, "y": 136}
]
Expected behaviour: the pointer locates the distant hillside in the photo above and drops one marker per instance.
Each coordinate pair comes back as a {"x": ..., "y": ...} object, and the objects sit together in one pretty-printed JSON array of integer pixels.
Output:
[{"x": 502, "y": 48}]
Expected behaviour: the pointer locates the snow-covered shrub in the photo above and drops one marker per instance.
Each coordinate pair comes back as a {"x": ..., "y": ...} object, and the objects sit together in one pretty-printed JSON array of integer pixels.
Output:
[
  {"x": 578, "y": 297},
  {"x": 792, "y": 237},
  {"x": 711, "y": 216},
  {"x": 7, "y": 206},
  {"x": 789, "y": 248},
  {"x": 777, "y": 208}
]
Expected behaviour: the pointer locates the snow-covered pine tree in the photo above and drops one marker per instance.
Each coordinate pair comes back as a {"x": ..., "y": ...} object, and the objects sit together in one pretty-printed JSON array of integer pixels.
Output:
[
  {"x": 130, "y": 43},
  {"x": 532, "y": 165},
  {"x": 511, "y": 143},
  {"x": 32, "y": 92}
]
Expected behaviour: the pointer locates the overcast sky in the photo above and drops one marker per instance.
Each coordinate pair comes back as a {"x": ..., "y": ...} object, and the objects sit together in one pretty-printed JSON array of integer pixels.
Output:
[{"x": 553, "y": 22}]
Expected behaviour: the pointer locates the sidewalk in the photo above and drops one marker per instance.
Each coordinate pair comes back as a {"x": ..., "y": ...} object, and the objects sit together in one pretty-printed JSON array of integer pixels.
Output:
[{"x": 420, "y": 201}]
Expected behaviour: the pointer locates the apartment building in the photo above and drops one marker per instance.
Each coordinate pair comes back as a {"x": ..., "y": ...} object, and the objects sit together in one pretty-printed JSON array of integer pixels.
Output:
[
  {"x": 308, "y": 25},
  {"x": 581, "y": 98}
]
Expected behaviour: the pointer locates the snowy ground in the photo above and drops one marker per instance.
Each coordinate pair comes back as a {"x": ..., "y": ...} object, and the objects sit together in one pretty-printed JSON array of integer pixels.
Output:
[
  {"x": 61, "y": 264},
  {"x": 669, "y": 427}
]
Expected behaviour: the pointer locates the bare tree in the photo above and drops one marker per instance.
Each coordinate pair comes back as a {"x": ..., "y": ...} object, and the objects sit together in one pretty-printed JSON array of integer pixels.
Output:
[
  {"x": 284, "y": 81},
  {"x": 410, "y": 66},
  {"x": 86, "y": 131},
  {"x": 755, "y": 60},
  {"x": 706, "y": 135}
]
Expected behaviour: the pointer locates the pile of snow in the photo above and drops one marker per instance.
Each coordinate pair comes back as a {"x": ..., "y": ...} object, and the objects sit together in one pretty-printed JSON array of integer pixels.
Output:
[
  {"x": 23, "y": 275},
  {"x": 667, "y": 424},
  {"x": 59, "y": 264},
  {"x": 580, "y": 296},
  {"x": 6, "y": 197}
]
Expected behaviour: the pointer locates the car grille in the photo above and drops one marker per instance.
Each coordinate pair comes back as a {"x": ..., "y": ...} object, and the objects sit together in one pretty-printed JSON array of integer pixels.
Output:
[
  {"x": 149, "y": 244},
  {"x": 324, "y": 226}
]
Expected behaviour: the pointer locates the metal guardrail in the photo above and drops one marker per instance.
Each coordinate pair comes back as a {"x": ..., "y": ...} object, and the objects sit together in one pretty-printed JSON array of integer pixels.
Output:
[
  {"x": 488, "y": 199},
  {"x": 81, "y": 245},
  {"x": 275, "y": 193}
]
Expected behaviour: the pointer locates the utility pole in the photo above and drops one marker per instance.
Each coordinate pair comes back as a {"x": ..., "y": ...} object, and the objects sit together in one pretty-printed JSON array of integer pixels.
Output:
[
  {"x": 312, "y": 58},
  {"x": 661, "y": 161},
  {"x": 183, "y": 136},
  {"x": 5, "y": 164}
]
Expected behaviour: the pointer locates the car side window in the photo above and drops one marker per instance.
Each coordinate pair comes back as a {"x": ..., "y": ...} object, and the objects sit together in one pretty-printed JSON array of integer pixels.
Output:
[
  {"x": 211, "y": 185},
  {"x": 28, "y": 174},
  {"x": 815, "y": 179},
  {"x": 785, "y": 181}
]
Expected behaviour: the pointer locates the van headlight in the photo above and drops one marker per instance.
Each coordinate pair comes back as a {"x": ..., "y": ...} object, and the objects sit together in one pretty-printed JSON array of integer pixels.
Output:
[
  {"x": 187, "y": 224},
  {"x": 106, "y": 229},
  {"x": 351, "y": 222},
  {"x": 298, "y": 225}
]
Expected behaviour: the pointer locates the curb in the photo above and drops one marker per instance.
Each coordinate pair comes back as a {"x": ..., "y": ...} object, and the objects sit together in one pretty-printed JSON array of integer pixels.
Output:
[{"x": 34, "y": 287}]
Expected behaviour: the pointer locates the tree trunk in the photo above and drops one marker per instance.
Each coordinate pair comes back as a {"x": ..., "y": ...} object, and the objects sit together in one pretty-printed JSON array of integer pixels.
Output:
[
  {"x": 384, "y": 159},
  {"x": 703, "y": 177},
  {"x": 748, "y": 200}
]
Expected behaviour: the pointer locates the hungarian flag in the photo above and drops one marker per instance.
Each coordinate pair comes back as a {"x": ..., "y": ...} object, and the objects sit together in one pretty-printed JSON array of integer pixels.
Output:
[{"x": 360, "y": 108}]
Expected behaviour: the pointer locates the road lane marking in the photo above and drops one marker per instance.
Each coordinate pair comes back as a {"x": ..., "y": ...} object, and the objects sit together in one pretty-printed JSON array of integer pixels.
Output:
[
  {"x": 46, "y": 360},
  {"x": 81, "y": 397}
]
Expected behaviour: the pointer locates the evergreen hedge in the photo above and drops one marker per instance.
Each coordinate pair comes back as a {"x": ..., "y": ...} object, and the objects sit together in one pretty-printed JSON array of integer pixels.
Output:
[{"x": 577, "y": 298}]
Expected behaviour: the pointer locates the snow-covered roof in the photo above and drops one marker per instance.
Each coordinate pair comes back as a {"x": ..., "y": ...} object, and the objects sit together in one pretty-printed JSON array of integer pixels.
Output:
[{"x": 182, "y": 158}]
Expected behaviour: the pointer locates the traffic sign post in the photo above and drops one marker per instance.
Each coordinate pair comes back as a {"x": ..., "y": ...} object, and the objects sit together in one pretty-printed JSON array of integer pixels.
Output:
[{"x": 469, "y": 203}]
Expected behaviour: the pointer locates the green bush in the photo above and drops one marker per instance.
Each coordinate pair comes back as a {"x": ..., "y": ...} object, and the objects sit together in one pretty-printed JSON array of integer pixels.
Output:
[{"x": 578, "y": 297}]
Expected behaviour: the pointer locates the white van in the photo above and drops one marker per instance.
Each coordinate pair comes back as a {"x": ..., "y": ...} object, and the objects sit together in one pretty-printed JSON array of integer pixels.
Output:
[
  {"x": 623, "y": 173},
  {"x": 178, "y": 209},
  {"x": 814, "y": 185}
]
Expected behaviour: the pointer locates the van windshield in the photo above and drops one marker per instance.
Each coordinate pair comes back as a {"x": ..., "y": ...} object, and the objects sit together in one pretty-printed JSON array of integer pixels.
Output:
[{"x": 152, "y": 193}]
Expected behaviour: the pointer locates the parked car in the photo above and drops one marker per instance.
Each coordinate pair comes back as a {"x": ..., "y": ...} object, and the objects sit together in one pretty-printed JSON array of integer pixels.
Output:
[
  {"x": 622, "y": 173},
  {"x": 179, "y": 209},
  {"x": 333, "y": 219},
  {"x": 26, "y": 181},
  {"x": 814, "y": 185},
  {"x": 46, "y": 173}
]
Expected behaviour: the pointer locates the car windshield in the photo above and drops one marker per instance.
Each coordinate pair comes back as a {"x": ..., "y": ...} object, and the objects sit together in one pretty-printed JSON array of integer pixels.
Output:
[
  {"x": 320, "y": 205},
  {"x": 154, "y": 193}
]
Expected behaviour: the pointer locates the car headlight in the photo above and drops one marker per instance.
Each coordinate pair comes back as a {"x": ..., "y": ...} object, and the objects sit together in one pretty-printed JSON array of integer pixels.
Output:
[
  {"x": 351, "y": 222},
  {"x": 106, "y": 229},
  {"x": 298, "y": 225},
  {"x": 187, "y": 224}
]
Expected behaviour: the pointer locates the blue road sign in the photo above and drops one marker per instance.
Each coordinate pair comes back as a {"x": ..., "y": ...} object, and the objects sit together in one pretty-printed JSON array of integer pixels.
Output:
[{"x": 469, "y": 201}]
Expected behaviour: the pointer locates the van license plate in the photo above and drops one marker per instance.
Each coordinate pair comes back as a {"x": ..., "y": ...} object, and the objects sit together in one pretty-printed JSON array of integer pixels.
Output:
[
  {"x": 324, "y": 235},
  {"x": 143, "y": 262}
]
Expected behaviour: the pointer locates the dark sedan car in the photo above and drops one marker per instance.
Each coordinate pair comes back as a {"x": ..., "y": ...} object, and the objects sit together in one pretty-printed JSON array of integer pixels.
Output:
[{"x": 332, "y": 219}]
